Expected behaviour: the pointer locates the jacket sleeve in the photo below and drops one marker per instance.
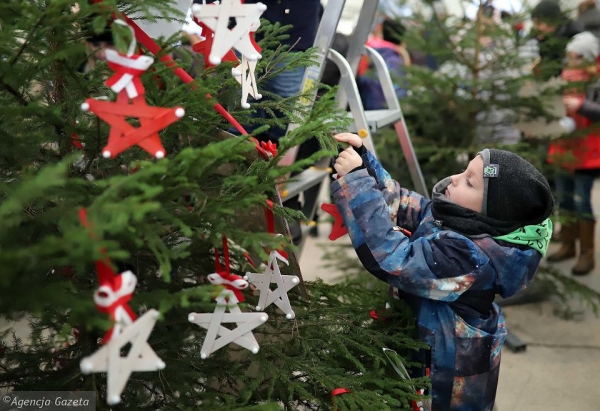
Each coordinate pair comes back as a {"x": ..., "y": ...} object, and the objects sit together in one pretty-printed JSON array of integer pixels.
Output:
[
  {"x": 406, "y": 208},
  {"x": 440, "y": 266}
]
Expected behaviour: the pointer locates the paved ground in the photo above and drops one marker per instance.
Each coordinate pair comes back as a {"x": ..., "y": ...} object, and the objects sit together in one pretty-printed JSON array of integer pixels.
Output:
[{"x": 559, "y": 369}]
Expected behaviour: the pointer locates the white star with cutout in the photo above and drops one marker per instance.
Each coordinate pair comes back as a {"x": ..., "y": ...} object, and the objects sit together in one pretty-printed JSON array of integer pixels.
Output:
[
  {"x": 272, "y": 275},
  {"x": 216, "y": 17},
  {"x": 241, "y": 335},
  {"x": 141, "y": 356}
]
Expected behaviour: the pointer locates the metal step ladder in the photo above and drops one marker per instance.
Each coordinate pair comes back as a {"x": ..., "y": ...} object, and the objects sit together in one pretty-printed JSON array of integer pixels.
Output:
[{"x": 310, "y": 182}]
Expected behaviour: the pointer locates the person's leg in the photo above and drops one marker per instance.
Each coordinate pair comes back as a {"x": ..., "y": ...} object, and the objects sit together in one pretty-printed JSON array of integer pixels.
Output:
[
  {"x": 568, "y": 233},
  {"x": 587, "y": 223},
  {"x": 285, "y": 84}
]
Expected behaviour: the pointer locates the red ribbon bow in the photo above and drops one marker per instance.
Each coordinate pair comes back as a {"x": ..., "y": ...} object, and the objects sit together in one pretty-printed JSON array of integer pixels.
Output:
[
  {"x": 113, "y": 297},
  {"x": 231, "y": 282},
  {"x": 127, "y": 72}
]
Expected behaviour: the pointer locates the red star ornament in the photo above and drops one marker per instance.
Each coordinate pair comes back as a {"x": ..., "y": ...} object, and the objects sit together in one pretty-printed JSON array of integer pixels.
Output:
[
  {"x": 338, "y": 229},
  {"x": 122, "y": 134}
]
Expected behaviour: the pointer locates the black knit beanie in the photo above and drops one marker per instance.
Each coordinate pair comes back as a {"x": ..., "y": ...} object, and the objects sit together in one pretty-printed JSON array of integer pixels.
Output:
[
  {"x": 515, "y": 194},
  {"x": 547, "y": 11},
  {"x": 514, "y": 190}
]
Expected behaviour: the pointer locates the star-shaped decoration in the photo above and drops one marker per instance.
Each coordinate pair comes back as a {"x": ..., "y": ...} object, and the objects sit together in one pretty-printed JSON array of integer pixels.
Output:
[
  {"x": 339, "y": 228},
  {"x": 204, "y": 47},
  {"x": 272, "y": 275},
  {"x": 122, "y": 134},
  {"x": 217, "y": 335},
  {"x": 141, "y": 357},
  {"x": 216, "y": 17},
  {"x": 245, "y": 75}
]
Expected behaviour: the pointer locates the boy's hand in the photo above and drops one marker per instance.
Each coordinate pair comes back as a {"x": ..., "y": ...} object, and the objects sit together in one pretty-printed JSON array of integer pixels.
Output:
[
  {"x": 347, "y": 161},
  {"x": 349, "y": 138}
]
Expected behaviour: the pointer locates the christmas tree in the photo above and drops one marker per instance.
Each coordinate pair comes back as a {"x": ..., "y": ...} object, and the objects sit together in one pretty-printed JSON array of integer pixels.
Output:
[{"x": 127, "y": 209}]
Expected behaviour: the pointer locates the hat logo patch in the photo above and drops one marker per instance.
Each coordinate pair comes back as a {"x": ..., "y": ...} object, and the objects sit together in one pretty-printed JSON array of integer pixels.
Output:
[{"x": 491, "y": 170}]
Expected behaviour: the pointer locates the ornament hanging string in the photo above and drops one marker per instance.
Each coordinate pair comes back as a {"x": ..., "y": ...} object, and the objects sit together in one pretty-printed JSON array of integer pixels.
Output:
[
  {"x": 231, "y": 282},
  {"x": 269, "y": 216},
  {"x": 104, "y": 273},
  {"x": 114, "y": 291},
  {"x": 271, "y": 225}
]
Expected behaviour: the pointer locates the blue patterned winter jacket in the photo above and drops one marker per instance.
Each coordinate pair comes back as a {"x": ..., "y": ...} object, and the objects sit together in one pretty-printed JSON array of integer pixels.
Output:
[{"x": 449, "y": 280}]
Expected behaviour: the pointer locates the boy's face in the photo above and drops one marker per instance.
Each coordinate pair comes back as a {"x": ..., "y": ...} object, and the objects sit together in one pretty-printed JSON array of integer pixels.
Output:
[{"x": 466, "y": 188}]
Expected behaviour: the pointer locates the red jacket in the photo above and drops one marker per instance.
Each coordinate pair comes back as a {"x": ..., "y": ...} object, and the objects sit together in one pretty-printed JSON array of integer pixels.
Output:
[{"x": 582, "y": 150}]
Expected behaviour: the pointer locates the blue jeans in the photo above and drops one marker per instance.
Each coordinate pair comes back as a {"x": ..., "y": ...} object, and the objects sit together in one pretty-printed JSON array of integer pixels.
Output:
[
  {"x": 285, "y": 84},
  {"x": 573, "y": 193}
]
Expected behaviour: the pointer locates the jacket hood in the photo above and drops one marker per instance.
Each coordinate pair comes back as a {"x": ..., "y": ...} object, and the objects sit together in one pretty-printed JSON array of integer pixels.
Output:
[
  {"x": 535, "y": 236},
  {"x": 515, "y": 265}
]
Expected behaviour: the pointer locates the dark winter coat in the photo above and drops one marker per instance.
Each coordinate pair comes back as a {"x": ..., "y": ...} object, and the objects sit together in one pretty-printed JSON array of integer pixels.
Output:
[
  {"x": 449, "y": 280},
  {"x": 302, "y": 15},
  {"x": 552, "y": 49}
]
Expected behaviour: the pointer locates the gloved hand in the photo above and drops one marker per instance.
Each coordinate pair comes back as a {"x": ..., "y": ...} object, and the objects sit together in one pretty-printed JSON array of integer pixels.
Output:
[
  {"x": 347, "y": 161},
  {"x": 350, "y": 138}
]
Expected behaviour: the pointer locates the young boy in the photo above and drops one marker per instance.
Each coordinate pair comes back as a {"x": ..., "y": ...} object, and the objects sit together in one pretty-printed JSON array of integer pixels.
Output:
[{"x": 484, "y": 232}]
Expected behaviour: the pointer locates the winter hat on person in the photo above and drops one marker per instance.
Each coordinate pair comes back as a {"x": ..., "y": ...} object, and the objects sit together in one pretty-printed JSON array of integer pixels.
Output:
[
  {"x": 514, "y": 190},
  {"x": 586, "y": 45},
  {"x": 547, "y": 11},
  {"x": 515, "y": 195}
]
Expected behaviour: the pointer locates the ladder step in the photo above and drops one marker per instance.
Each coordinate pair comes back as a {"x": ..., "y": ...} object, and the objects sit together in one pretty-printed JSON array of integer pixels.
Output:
[
  {"x": 303, "y": 181},
  {"x": 377, "y": 119}
]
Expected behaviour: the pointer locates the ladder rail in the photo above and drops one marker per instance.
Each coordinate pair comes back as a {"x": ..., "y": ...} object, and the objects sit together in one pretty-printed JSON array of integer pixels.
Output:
[
  {"x": 358, "y": 40},
  {"x": 385, "y": 78},
  {"x": 365, "y": 122},
  {"x": 348, "y": 83}
]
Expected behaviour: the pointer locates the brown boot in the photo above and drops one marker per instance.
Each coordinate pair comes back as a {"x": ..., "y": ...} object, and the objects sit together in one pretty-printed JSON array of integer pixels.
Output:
[
  {"x": 585, "y": 263},
  {"x": 567, "y": 247}
]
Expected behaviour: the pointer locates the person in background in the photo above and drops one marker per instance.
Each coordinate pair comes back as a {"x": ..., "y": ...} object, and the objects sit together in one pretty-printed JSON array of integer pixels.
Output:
[
  {"x": 386, "y": 39},
  {"x": 484, "y": 232},
  {"x": 588, "y": 16},
  {"x": 191, "y": 33},
  {"x": 552, "y": 29},
  {"x": 579, "y": 155},
  {"x": 96, "y": 45},
  {"x": 304, "y": 18}
]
